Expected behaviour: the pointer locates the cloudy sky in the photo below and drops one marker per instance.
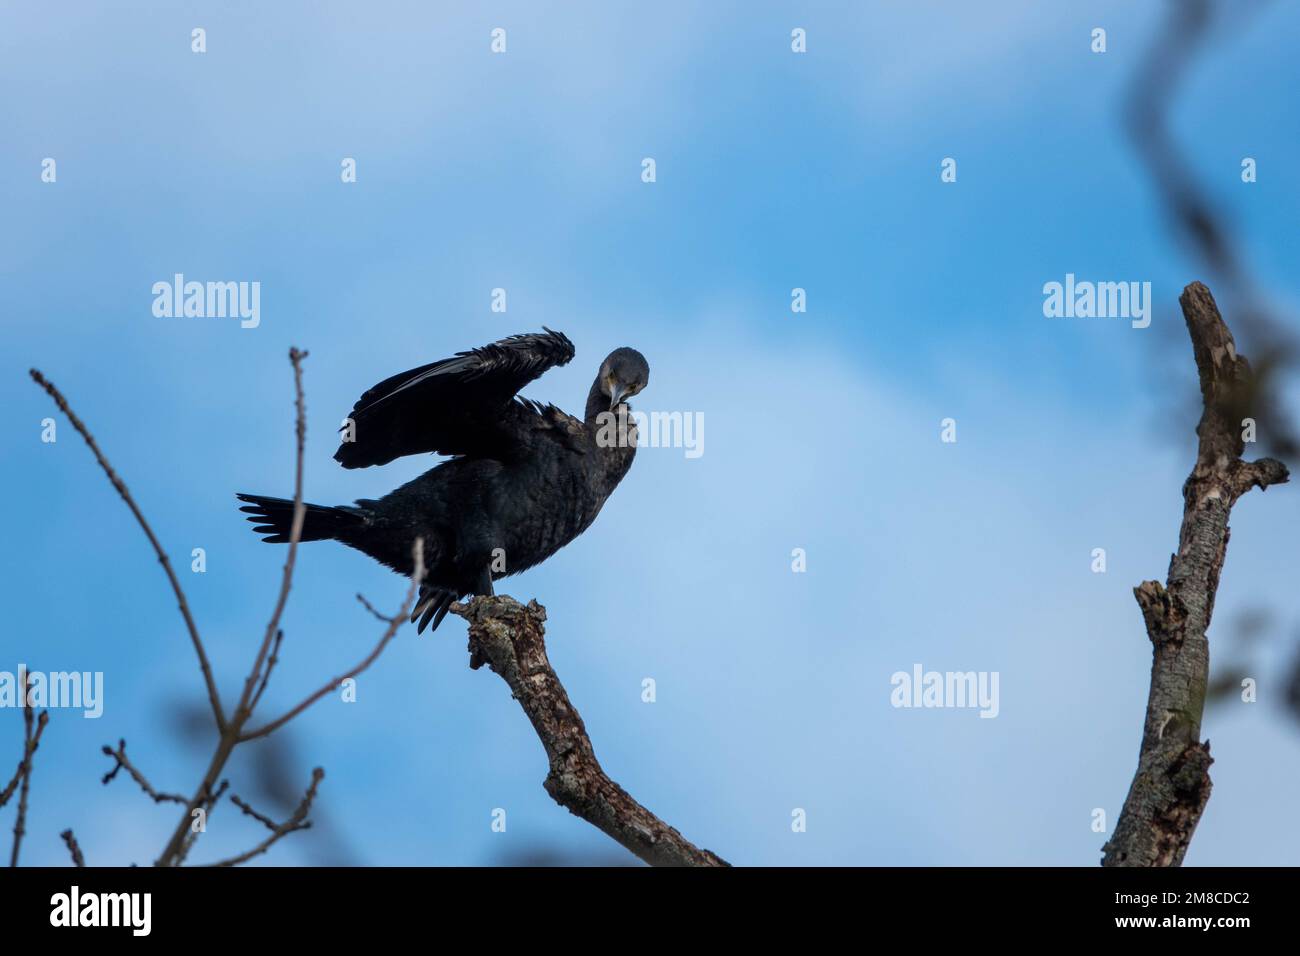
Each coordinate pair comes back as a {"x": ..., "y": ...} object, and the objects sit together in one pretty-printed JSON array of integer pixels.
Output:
[{"x": 522, "y": 171}]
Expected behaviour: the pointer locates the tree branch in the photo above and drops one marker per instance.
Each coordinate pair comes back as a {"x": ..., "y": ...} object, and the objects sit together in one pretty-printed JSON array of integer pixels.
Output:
[
  {"x": 34, "y": 741},
  {"x": 33, "y": 728},
  {"x": 209, "y": 804},
  {"x": 250, "y": 812},
  {"x": 213, "y": 697},
  {"x": 1190, "y": 29},
  {"x": 298, "y": 821},
  {"x": 1172, "y": 783},
  {"x": 509, "y": 637},
  {"x": 231, "y": 731},
  {"x": 295, "y": 534},
  {"x": 181, "y": 839},
  {"x": 74, "y": 847},
  {"x": 393, "y": 624},
  {"x": 266, "y": 671},
  {"x": 123, "y": 763}
]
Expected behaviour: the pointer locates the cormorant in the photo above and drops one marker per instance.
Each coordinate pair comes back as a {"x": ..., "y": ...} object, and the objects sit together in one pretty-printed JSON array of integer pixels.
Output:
[{"x": 523, "y": 480}]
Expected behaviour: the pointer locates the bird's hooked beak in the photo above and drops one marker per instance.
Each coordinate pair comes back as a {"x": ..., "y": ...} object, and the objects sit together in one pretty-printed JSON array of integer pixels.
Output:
[{"x": 616, "y": 395}]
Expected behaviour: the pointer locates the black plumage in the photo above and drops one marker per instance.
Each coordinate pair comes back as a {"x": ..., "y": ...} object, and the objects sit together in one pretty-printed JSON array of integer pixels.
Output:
[{"x": 523, "y": 480}]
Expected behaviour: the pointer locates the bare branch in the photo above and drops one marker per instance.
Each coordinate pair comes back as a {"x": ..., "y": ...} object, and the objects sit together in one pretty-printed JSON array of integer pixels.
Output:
[
  {"x": 270, "y": 666},
  {"x": 1192, "y": 27},
  {"x": 33, "y": 728},
  {"x": 183, "y": 836},
  {"x": 213, "y": 697},
  {"x": 230, "y": 731},
  {"x": 509, "y": 637},
  {"x": 393, "y": 624},
  {"x": 74, "y": 847},
  {"x": 249, "y": 811},
  {"x": 295, "y": 533},
  {"x": 123, "y": 763},
  {"x": 298, "y": 821},
  {"x": 1172, "y": 783},
  {"x": 209, "y": 804},
  {"x": 7, "y": 794},
  {"x": 373, "y": 610}
]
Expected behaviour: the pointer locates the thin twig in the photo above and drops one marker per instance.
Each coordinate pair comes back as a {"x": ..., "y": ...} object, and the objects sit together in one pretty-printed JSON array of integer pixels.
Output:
[
  {"x": 298, "y": 821},
  {"x": 208, "y": 806},
  {"x": 393, "y": 624},
  {"x": 213, "y": 697},
  {"x": 379, "y": 615},
  {"x": 7, "y": 794},
  {"x": 249, "y": 811},
  {"x": 33, "y": 728},
  {"x": 123, "y": 763},
  {"x": 73, "y": 847},
  {"x": 182, "y": 838},
  {"x": 270, "y": 666},
  {"x": 295, "y": 535}
]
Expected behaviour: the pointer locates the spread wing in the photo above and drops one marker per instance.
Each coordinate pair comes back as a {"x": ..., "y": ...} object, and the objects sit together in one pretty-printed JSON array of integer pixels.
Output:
[{"x": 459, "y": 406}]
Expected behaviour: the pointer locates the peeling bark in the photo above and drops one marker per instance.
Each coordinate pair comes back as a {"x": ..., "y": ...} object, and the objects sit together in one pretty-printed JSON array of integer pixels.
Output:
[{"x": 1172, "y": 783}]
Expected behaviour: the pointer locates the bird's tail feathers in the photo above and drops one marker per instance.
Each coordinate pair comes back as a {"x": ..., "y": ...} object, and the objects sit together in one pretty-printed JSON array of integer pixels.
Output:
[{"x": 273, "y": 518}]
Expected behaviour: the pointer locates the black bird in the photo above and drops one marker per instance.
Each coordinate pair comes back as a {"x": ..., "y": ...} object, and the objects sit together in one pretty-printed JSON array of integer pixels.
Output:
[{"x": 523, "y": 481}]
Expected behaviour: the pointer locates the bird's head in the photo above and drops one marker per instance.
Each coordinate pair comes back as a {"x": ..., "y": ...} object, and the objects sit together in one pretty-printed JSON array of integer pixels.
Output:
[{"x": 623, "y": 373}]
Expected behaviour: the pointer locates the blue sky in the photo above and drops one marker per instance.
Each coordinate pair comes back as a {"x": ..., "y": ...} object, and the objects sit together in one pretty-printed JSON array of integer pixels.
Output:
[{"x": 522, "y": 171}]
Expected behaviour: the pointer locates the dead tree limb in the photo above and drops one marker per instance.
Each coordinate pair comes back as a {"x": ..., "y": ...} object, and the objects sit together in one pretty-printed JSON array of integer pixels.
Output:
[
  {"x": 1172, "y": 783},
  {"x": 509, "y": 638},
  {"x": 1190, "y": 31}
]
